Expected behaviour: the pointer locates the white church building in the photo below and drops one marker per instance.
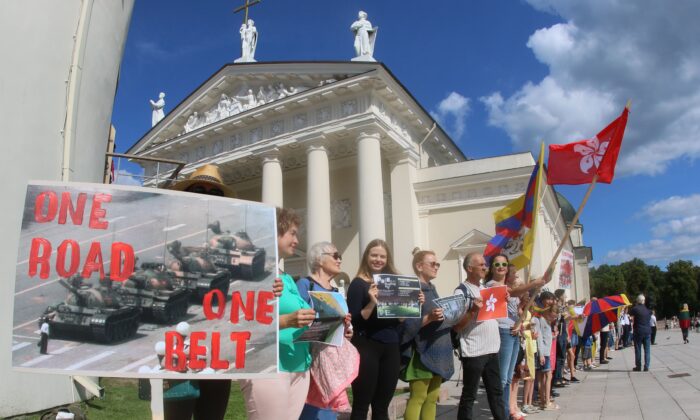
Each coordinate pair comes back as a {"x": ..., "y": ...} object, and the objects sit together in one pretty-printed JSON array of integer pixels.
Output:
[{"x": 347, "y": 146}]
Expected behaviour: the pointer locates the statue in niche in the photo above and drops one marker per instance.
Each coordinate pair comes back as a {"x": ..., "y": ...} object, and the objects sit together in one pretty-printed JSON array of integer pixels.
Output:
[
  {"x": 158, "y": 109},
  {"x": 365, "y": 36},
  {"x": 248, "y": 100},
  {"x": 249, "y": 42}
]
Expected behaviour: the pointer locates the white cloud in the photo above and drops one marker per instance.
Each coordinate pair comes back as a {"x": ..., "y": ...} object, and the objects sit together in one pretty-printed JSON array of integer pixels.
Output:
[
  {"x": 673, "y": 207},
  {"x": 676, "y": 232},
  {"x": 605, "y": 53},
  {"x": 452, "y": 113},
  {"x": 124, "y": 177},
  {"x": 655, "y": 250}
]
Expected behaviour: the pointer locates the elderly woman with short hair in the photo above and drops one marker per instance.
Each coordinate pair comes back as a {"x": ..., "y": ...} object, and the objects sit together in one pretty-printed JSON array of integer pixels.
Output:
[{"x": 324, "y": 262}]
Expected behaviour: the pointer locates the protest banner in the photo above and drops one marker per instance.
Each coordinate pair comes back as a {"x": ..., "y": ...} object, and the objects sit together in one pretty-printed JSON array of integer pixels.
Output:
[
  {"x": 566, "y": 269},
  {"x": 495, "y": 303},
  {"x": 328, "y": 326},
  {"x": 398, "y": 296},
  {"x": 139, "y": 282},
  {"x": 453, "y": 309}
]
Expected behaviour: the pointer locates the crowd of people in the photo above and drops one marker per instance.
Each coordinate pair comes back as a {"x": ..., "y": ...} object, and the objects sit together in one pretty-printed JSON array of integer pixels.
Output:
[{"x": 536, "y": 345}]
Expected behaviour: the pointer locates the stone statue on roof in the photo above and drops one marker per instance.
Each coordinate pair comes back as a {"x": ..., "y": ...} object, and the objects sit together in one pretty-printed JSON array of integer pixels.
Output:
[
  {"x": 249, "y": 42},
  {"x": 365, "y": 36},
  {"x": 158, "y": 109}
]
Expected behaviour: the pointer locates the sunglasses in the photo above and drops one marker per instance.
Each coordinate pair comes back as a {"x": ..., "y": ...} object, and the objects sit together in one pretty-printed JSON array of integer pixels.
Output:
[
  {"x": 503, "y": 264},
  {"x": 433, "y": 264},
  {"x": 201, "y": 189},
  {"x": 336, "y": 255}
]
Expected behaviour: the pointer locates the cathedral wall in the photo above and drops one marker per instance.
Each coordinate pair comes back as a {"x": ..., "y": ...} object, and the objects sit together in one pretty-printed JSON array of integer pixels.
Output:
[{"x": 41, "y": 40}]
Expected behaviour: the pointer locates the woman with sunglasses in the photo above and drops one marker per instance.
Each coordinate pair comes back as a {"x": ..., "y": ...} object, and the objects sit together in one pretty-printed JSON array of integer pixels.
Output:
[
  {"x": 431, "y": 362},
  {"x": 284, "y": 396},
  {"x": 509, "y": 327},
  {"x": 377, "y": 340},
  {"x": 324, "y": 263}
]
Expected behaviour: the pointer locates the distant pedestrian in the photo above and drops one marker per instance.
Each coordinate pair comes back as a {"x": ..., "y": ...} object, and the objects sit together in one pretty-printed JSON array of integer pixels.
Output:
[
  {"x": 653, "y": 327},
  {"x": 684, "y": 322},
  {"x": 641, "y": 316},
  {"x": 44, "y": 341}
]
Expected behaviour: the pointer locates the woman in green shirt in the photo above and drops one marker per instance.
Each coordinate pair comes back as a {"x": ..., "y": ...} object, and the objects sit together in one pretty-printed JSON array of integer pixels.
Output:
[{"x": 283, "y": 397}]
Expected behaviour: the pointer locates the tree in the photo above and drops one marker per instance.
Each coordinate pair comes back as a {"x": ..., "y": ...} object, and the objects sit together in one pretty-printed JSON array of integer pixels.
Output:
[
  {"x": 680, "y": 287},
  {"x": 607, "y": 280},
  {"x": 637, "y": 278}
]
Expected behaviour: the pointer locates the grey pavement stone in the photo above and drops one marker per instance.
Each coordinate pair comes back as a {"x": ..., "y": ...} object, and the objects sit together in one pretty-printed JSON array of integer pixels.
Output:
[{"x": 614, "y": 391}]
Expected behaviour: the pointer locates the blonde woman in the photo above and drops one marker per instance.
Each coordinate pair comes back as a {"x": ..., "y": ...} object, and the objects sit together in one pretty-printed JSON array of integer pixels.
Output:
[{"x": 431, "y": 362}]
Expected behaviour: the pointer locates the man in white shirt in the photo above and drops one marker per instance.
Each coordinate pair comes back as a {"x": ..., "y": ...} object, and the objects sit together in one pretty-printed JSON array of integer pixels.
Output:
[
  {"x": 653, "y": 327},
  {"x": 479, "y": 345}
]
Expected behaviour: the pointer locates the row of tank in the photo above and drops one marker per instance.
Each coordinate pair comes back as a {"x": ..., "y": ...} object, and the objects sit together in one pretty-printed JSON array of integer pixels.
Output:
[{"x": 155, "y": 292}]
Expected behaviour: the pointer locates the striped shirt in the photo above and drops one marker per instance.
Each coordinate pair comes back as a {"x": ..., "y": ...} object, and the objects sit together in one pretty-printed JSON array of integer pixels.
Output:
[{"x": 478, "y": 338}]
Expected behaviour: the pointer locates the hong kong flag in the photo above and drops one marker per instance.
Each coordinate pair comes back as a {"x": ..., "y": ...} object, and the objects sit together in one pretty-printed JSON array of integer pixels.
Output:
[
  {"x": 495, "y": 303},
  {"x": 576, "y": 163}
]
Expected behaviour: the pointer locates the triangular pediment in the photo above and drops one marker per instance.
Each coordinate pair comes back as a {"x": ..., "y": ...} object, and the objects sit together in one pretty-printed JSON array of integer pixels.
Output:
[
  {"x": 472, "y": 240},
  {"x": 237, "y": 89}
]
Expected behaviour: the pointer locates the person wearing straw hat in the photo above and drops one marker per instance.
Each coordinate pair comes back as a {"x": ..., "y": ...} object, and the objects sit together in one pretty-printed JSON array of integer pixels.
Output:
[
  {"x": 213, "y": 393},
  {"x": 205, "y": 180}
]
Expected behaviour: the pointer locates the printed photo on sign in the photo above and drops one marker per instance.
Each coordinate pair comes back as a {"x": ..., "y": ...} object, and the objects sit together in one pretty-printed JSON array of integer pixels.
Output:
[
  {"x": 453, "y": 309},
  {"x": 139, "y": 282},
  {"x": 328, "y": 326},
  {"x": 566, "y": 269},
  {"x": 495, "y": 303},
  {"x": 398, "y": 296}
]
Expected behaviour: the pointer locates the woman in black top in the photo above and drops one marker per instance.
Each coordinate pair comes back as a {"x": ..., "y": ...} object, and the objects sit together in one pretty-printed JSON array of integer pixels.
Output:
[{"x": 377, "y": 340}]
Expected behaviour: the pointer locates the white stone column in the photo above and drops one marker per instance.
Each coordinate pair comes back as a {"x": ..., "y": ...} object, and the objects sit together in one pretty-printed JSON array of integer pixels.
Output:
[
  {"x": 370, "y": 189},
  {"x": 318, "y": 196},
  {"x": 272, "y": 179},
  {"x": 404, "y": 209}
]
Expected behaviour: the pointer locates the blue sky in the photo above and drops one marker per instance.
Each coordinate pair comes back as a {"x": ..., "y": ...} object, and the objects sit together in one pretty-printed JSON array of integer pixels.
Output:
[{"x": 499, "y": 75}]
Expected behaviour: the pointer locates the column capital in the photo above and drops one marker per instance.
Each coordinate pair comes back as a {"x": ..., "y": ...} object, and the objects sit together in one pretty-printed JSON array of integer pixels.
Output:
[
  {"x": 403, "y": 156},
  {"x": 316, "y": 146},
  {"x": 369, "y": 133},
  {"x": 270, "y": 155}
]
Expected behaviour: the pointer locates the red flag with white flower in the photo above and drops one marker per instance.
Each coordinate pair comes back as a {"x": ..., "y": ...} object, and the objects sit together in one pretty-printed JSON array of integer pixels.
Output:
[
  {"x": 495, "y": 303},
  {"x": 576, "y": 163}
]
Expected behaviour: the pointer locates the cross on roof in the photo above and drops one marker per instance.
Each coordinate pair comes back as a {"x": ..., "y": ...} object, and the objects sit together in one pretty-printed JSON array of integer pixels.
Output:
[{"x": 245, "y": 7}]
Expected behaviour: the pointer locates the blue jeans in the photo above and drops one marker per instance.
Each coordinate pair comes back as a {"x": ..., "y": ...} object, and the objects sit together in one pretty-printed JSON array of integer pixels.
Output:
[
  {"x": 645, "y": 341},
  {"x": 507, "y": 356}
]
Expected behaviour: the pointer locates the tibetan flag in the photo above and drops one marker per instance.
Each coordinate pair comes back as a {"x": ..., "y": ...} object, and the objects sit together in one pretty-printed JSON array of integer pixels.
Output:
[
  {"x": 495, "y": 303},
  {"x": 515, "y": 223},
  {"x": 576, "y": 163}
]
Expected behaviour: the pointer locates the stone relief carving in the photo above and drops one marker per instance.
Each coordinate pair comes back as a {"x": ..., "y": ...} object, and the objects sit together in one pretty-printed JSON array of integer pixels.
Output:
[
  {"x": 235, "y": 141},
  {"x": 256, "y": 135},
  {"x": 277, "y": 128},
  {"x": 348, "y": 107},
  {"x": 341, "y": 214},
  {"x": 299, "y": 121},
  {"x": 323, "y": 114},
  {"x": 248, "y": 97},
  {"x": 217, "y": 147}
]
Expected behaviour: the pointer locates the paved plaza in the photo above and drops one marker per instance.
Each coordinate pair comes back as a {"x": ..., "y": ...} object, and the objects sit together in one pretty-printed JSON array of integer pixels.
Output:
[{"x": 670, "y": 390}]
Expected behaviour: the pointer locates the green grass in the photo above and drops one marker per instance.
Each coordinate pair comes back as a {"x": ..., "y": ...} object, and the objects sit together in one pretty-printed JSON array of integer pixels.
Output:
[{"x": 121, "y": 401}]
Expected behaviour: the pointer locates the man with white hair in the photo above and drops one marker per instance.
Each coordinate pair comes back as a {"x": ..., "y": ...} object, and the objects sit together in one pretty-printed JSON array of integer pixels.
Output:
[{"x": 641, "y": 333}]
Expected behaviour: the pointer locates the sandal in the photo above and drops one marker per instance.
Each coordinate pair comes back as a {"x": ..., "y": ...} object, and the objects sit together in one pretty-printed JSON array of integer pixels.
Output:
[{"x": 550, "y": 407}]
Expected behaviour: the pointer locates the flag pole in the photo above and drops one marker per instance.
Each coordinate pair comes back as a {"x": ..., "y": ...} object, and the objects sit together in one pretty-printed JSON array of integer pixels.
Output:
[
  {"x": 572, "y": 224},
  {"x": 536, "y": 210}
]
